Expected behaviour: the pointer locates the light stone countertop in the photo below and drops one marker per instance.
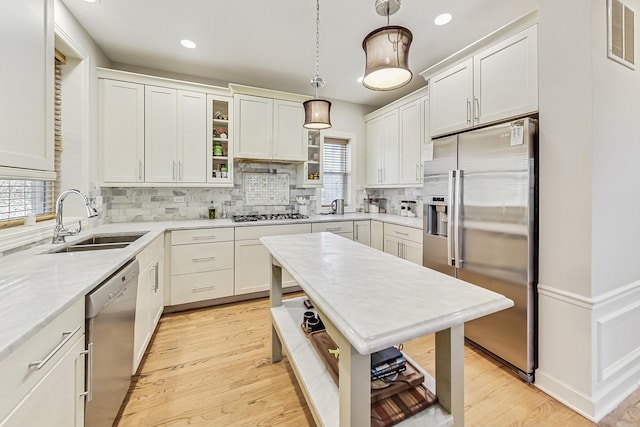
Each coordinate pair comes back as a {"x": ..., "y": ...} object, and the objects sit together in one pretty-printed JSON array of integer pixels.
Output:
[
  {"x": 376, "y": 299},
  {"x": 36, "y": 287}
]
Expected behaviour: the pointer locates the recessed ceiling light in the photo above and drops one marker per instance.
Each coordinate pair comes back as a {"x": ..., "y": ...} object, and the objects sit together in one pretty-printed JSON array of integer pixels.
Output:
[
  {"x": 188, "y": 44},
  {"x": 360, "y": 79},
  {"x": 92, "y": 1},
  {"x": 442, "y": 19}
]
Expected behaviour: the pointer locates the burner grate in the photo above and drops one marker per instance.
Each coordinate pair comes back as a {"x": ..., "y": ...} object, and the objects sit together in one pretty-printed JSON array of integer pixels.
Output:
[{"x": 268, "y": 217}]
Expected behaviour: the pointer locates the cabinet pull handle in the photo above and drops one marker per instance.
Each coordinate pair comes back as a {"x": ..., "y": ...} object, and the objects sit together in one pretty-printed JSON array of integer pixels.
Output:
[
  {"x": 213, "y": 236},
  {"x": 156, "y": 281},
  {"x": 401, "y": 233},
  {"x": 180, "y": 170},
  {"x": 334, "y": 229},
  {"x": 476, "y": 114},
  {"x": 66, "y": 337},
  {"x": 417, "y": 172},
  {"x": 140, "y": 169},
  {"x": 203, "y": 288},
  {"x": 468, "y": 111},
  {"x": 89, "y": 353},
  {"x": 174, "y": 170},
  {"x": 211, "y": 258}
]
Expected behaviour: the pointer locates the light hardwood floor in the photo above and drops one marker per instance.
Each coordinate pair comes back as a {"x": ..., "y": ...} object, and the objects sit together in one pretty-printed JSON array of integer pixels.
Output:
[{"x": 211, "y": 367}]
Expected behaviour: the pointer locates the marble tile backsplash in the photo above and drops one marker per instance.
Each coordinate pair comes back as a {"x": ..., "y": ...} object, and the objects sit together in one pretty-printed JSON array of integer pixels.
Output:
[
  {"x": 394, "y": 197},
  {"x": 134, "y": 204}
]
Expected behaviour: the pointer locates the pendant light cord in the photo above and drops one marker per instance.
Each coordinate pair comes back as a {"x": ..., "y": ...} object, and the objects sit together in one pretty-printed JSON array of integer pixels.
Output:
[{"x": 317, "y": 44}]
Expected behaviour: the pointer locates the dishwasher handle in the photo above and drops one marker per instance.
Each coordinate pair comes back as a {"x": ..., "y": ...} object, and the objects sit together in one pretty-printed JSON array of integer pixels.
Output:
[{"x": 111, "y": 288}]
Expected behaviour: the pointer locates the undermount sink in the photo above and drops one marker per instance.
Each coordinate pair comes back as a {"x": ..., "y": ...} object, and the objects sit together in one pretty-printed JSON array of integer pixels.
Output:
[{"x": 99, "y": 242}]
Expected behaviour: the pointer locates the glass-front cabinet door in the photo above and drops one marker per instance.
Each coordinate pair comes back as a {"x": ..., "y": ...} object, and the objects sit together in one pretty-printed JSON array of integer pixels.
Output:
[
  {"x": 310, "y": 172},
  {"x": 220, "y": 140}
]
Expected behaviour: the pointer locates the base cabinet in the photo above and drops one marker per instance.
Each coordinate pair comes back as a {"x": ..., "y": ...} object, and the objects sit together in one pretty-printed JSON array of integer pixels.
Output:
[
  {"x": 403, "y": 242},
  {"x": 377, "y": 235},
  {"x": 341, "y": 228},
  {"x": 150, "y": 297},
  {"x": 362, "y": 232},
  {"x": 57, "y": 400},
  {"x": 253, "y": 262},
  {"x": 202, "y": 265}
]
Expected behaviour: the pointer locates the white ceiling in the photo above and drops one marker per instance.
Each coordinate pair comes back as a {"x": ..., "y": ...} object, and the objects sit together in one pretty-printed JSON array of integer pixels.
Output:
[{"x": 271, "y": 44}]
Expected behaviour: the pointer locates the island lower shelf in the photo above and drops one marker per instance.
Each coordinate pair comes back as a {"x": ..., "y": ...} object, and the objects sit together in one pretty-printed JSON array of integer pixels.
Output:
[{"x": 319, "y": 389}]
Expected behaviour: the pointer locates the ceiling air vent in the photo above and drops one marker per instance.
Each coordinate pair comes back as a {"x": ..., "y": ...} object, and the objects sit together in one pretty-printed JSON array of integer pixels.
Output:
[{"x": 621, "y": 21}]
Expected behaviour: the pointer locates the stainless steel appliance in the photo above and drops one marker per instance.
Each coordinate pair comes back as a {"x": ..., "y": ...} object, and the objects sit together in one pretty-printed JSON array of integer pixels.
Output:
[
  {"x": 267, "y": 217},
  {"x": 337, "y": 206},
  {"x": 111, "y": 309},
  {"x": 481, "y": 226}
]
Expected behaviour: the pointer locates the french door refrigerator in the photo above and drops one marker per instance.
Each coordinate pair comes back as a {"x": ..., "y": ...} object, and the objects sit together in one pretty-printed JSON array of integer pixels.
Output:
[{"x": 481, "y": 227}]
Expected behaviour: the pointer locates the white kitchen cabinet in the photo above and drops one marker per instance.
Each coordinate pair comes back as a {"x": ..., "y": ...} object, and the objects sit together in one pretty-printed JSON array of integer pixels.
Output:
[
  {"x": 252, "y": 259},
  {"x": 362, "y": 232},
  {"x": 150, "y": 297},
  {"x": 451, "y": 98},
  {"x": 269, "y": 129},
  {"x": 121, "y": 131},
  {"x": 220, "y": 140},
  {"x": 310, "y": 173},
  {"x": 26, "y": 110},
  {"x": 341, "y": 228},
  {"x": 50, "y": 393},
  {"x": 377, "y": 235},
  {"x": 394, "y": 143},
  {"x": 382, "y": 149},
  {"x": 410, "y": 147},
  {"x": 202, "y": 264},
  {"x": 505, "y": 80},
  {"x": 495, "y": 84},
  {"x": 175, "y": 135},
  {"x": 403, "y": 242},
  {"x": 57, "y": 400}
]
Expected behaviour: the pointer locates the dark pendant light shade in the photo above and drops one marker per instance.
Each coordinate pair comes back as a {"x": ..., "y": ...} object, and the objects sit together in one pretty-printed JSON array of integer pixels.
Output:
[
  {"x": 317, "y": 114},
  {"x": 387, "y": 57}
]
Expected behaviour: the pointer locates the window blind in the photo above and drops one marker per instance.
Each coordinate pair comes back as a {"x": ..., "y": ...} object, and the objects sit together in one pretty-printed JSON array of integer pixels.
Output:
[{"x": 336, "y": 168}]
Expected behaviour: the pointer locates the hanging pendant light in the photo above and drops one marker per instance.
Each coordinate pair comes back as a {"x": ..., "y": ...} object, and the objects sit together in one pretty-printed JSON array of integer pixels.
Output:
[
  {"x": 387, "y": 52},
  {"x": 317, "y": 112}
]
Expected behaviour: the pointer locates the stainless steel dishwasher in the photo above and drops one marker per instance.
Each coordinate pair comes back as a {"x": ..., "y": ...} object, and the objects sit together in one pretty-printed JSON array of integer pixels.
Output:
[{"x": 111, "y": 309}]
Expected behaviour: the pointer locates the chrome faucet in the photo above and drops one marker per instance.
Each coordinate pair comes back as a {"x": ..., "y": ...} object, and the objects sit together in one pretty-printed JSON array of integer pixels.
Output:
[{"x": 59, "y": 232}]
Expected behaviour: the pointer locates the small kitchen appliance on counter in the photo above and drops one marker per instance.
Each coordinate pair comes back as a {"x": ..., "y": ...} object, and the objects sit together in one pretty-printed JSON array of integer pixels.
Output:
[{"x": 337, "y": 206}]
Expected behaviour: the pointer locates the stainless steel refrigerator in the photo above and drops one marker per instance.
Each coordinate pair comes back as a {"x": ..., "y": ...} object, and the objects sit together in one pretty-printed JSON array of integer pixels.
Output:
[{"x": 481, "y": 226}]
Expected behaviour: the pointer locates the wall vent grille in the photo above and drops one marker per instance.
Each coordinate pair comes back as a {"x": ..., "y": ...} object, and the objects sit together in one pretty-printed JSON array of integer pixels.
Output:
[{"x": 621, "y": 21}]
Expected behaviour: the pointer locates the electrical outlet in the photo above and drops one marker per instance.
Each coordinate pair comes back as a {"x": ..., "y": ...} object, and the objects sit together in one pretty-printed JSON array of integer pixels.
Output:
[{"x": 178, "y": 199}]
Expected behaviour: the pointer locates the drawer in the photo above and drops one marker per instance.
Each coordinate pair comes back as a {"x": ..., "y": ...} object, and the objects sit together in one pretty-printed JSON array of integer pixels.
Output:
[
  {"x": 17, "y": 377},
  {"x": 149, "y": 253},
  {"x": 201, "y": 286},
  {"x": 406, "y": 233},
  {"x": 332, "y": 227},
  {"x": 203, "y": 235},
  {"x": 186, "y": 259},
  {"x": 258, "y": 231}
]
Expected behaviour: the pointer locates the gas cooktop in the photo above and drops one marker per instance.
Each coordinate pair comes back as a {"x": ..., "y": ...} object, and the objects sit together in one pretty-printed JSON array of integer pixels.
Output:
[{"x": 265, "y": 217}]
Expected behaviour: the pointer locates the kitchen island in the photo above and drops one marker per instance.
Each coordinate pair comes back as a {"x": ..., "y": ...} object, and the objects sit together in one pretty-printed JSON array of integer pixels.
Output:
[{"x": 370, "y": 300}]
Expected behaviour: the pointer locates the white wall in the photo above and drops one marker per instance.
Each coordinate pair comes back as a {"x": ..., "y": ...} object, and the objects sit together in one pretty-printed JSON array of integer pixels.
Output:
[
  {"x": 589, "y": 281},
  {"x": 80, "y": 106}
]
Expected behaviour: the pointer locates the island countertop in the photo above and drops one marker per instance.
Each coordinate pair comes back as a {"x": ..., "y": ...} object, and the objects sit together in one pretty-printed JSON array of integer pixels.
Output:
[{"x": 375, "y": 299}]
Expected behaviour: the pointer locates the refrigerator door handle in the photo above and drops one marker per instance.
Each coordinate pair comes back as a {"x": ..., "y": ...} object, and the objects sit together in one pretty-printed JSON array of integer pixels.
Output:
[
  {"x": 456, "y": 213},
  {"x": 450, "y": 209}
]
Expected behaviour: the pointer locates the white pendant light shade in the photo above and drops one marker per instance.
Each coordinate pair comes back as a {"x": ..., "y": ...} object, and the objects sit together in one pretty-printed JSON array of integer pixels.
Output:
[
  {"x": 387, "y": 58},
  {"x": 317, "y": 114}
]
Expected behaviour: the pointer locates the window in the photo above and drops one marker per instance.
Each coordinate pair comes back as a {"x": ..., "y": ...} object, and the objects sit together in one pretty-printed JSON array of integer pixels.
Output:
[
  {"x": 336, "y": 169},
  {"x": 22, "y": 197}
]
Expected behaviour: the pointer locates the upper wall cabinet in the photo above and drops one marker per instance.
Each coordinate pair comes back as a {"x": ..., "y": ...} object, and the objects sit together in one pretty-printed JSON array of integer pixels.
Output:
[
  {"x": 394, "y": 143},
  {"x": 163, "y": 134},
  {"x": 269, "y": 129},
  {"x": 26, "y": 110},
  {"x": 496, "y": 84},
  {"x": 121, "y": 131},
  {"x": 175, "y": 135}
]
